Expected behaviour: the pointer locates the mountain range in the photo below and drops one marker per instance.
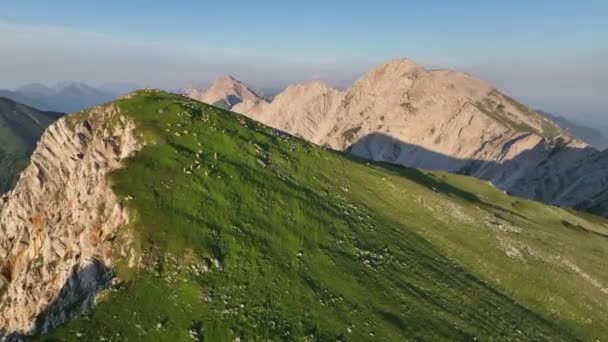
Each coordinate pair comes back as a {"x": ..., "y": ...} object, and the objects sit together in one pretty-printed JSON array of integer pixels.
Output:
[
  {"x": 439, "y": 120},
  {"x": 64, "y": 97},
  {"x": 158, "y": 217},
  {"x": 20, "y": 128}
]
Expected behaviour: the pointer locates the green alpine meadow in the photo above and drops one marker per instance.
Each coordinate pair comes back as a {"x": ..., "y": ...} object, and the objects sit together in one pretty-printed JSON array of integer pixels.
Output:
[{"x": 244, "y": 233}]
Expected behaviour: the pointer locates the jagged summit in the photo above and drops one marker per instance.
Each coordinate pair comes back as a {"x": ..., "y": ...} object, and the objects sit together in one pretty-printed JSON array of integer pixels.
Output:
[
  {"x": 224, "y": 92},
  {"x": 443, "y": 120},
  {"x": 226, "y": 77}
]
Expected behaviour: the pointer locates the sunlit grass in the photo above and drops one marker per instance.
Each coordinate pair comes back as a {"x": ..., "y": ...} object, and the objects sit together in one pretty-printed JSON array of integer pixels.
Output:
[{"x": 247, "y": 233}]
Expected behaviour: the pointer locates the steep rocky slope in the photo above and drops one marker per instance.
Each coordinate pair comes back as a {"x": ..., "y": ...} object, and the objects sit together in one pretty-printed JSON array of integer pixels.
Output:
[
  {"x": 441, "y": 120},
  {"x": 219, "y": 228},
  {"x": 225, "y": 92},
  {"x": 56, "y": 224},
  {"x": 20, "y": 129}
]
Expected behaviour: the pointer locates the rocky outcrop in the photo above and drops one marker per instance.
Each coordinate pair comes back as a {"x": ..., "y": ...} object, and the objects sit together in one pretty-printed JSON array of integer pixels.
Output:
[
  {"x": 302, "y": 110},
  {"x": 442, "y": 120},
  {"x": 225, "y": 92},
  {"x": 57, "y": 225}
]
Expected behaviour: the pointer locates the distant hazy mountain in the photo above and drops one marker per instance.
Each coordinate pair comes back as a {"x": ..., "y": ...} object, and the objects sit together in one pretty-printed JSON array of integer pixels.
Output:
[
  {"x": 64, "y": 97},
  {"x": 36, "y": 89},
  {"x": 20, "y": 129},
  {"x": 590, "y": 135}
]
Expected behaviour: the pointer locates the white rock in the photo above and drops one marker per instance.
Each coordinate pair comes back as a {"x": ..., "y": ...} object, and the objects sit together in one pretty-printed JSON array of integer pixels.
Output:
[
  {"x": 443, "y": 120},
  {"x": 63, "y": 208}
]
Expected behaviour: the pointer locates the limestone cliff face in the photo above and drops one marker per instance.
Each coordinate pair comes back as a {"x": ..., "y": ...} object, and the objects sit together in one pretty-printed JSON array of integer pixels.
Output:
[
  {"x": 443, "y": 120},
  {"x": 56, "y": 226}
]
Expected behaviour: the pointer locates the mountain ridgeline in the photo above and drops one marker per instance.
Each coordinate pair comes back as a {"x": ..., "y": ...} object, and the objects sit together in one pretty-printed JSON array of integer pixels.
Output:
[
  {"x": 157, "y": 217},
  {"x": 20, "y": 128},
  {"x": 586, "y": 133},
  {"x": 64, "y": 97},
  {"x": 443, "y": 120}
]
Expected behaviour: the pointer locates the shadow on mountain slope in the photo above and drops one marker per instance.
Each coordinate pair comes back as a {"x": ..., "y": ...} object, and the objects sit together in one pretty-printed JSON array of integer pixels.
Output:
[
  {"x": 76, "y": 295},
  {"x": 549, "y": 173},
  {"x": 434, "y": 183}
]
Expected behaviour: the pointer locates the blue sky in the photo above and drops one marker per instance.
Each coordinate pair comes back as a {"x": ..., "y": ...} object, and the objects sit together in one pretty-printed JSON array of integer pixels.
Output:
[{"x": 550, "y": 54}]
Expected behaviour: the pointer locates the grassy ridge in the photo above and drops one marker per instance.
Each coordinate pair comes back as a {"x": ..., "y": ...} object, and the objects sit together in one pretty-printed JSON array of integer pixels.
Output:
[{"x": 247, "y": 233}]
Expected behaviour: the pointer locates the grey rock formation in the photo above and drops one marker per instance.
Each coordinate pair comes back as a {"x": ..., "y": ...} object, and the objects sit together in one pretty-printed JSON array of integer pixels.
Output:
[{"x": 57, "y": 224}]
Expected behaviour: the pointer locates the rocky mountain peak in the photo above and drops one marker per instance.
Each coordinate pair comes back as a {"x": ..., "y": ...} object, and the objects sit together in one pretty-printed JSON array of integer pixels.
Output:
[
  {"x": 224, "y": 92},
  {"x": 227, "y": 83},
  {"x": 394, "y": 69},
  {"x": 440, "y": 119},
  {"x": 227, "y": 78}
]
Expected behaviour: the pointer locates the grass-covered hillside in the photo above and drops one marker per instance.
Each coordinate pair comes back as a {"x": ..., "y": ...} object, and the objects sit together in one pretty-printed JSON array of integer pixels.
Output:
[
  {"x": 20, "y": 128},
  {"x": 245, "y": 233}
]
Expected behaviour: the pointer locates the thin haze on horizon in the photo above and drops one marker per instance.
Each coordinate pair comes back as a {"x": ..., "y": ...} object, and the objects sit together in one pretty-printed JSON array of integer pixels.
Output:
[{"x": 549, "y": 54}]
